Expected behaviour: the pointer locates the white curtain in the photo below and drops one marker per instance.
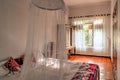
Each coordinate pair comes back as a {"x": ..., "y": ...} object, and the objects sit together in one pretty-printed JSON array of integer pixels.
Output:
[
  {"x": 89, "y": 35},
  {"x": 79, "y": 38},
  {"x": 98, "y": 35}
]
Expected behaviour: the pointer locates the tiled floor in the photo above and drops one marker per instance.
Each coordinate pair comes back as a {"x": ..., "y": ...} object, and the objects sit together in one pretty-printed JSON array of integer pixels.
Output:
[{"x": 104, "y": 64}]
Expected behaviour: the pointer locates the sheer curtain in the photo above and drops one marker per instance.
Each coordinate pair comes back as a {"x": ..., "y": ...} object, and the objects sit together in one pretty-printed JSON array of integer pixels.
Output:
[
  {"x": 99, "y": 39},
  {"x": 79, "y": 37},
  {"x": 89, "y": 36}
]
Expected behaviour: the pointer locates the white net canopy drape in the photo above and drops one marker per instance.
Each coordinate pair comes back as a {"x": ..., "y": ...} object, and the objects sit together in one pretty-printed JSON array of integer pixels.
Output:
[{"x": 42, "y": 43}]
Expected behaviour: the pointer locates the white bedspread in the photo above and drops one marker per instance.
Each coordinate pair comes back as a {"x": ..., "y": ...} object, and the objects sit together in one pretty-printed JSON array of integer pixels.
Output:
[{"x": 52, "y": 69}]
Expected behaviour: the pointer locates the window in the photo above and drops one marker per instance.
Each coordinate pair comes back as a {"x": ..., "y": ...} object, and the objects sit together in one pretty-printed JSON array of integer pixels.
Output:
[
  {"x": 89, "y": 33},
  {"x": 88, "y": 28}
]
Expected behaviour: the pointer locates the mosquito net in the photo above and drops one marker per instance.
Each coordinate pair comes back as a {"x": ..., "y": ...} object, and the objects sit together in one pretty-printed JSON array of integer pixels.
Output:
[{"x": 45, "y": 41}]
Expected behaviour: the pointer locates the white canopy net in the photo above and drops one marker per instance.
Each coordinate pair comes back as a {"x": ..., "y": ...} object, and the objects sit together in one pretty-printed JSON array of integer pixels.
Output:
[{"x": 45, "y": 41}]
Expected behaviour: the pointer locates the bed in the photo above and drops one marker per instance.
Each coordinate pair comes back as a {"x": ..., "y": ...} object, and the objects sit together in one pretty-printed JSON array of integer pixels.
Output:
[{"x": 68, "y": 71}]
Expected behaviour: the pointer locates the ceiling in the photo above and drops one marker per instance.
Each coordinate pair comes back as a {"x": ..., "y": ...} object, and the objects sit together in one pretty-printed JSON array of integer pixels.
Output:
[{"x": 83, "y": 2}]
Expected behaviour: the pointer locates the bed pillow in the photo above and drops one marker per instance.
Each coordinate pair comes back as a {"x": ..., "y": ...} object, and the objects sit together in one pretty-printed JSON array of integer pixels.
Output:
[
  {"x": 12, "y": 65},
  {"x": 20, "y": 60}
]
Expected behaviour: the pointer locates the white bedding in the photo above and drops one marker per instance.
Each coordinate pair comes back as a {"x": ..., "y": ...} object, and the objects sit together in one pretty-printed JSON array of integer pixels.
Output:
[
  {"x": 52, "y": 69},
  {"x": 3, "y": 71}
]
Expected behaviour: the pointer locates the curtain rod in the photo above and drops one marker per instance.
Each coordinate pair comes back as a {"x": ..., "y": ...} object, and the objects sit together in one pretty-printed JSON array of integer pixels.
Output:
[{"x": 90, "y": 16}]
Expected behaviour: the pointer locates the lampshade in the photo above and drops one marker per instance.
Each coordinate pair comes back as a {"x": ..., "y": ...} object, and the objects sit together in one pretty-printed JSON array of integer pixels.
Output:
[{"x": 49, "y": 4}]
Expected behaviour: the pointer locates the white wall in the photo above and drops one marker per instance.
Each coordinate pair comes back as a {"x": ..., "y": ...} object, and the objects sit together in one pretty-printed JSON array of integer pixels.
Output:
[
  {"x": 13, "y": 27},
  {"x": 90, "y": 9}
]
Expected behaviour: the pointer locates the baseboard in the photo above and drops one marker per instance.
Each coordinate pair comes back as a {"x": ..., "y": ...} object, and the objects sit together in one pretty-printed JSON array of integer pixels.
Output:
[{"x": 90, "y": 55}]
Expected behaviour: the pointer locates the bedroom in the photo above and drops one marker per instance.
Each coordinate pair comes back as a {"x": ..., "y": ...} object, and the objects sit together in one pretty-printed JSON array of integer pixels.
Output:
[{"x": 14, "y": 27}]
